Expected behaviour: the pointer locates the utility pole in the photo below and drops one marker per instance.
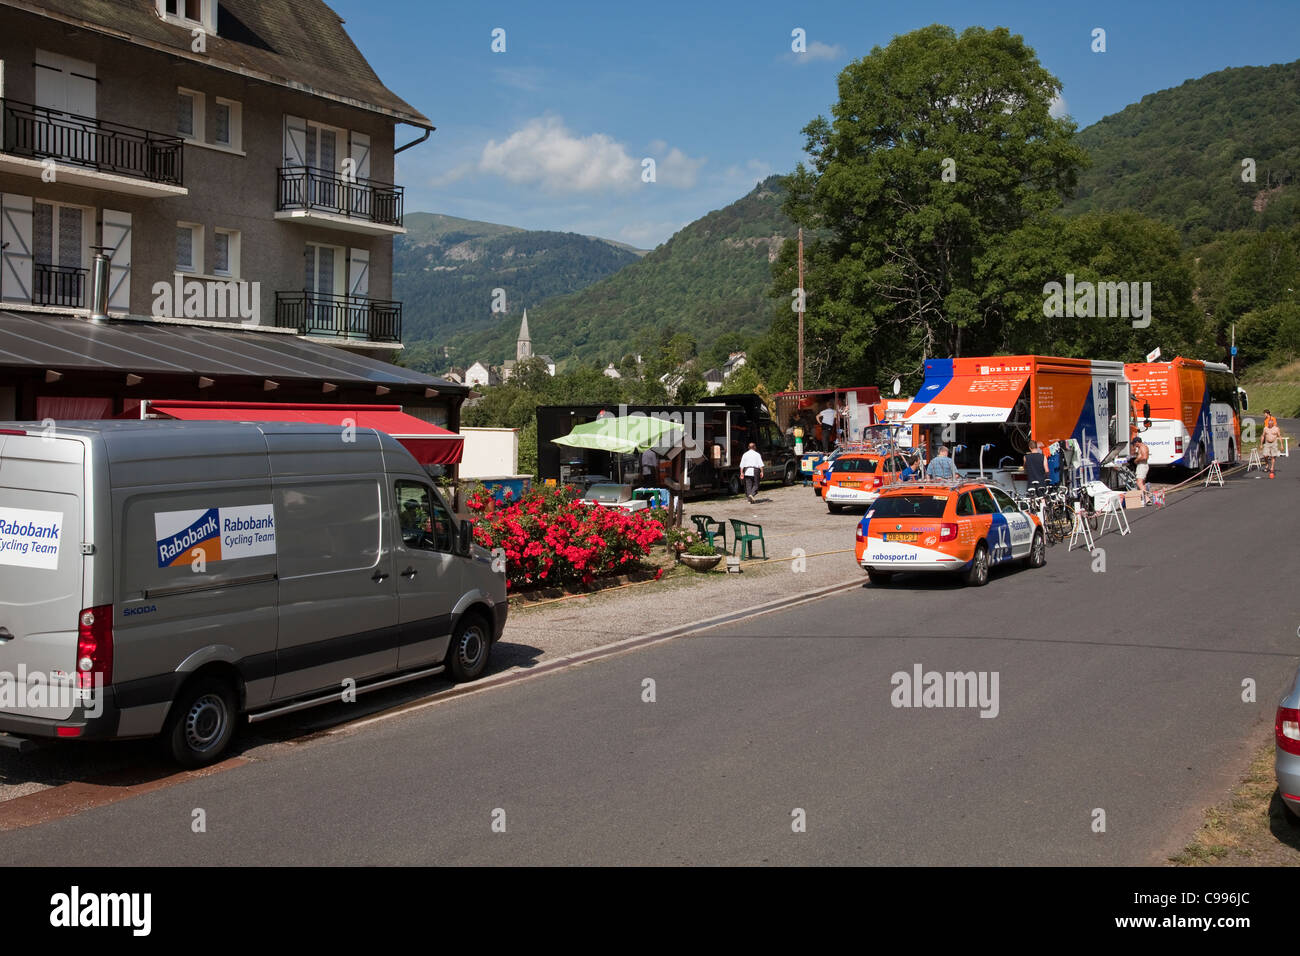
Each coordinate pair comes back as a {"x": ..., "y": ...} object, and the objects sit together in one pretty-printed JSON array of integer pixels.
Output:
[{"x": 801, "y": 305}]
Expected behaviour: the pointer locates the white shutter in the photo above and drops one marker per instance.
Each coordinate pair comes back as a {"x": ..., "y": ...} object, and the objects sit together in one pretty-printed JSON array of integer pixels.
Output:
[
  {"x": 295, "y": 141},
  {"x": 358, "y": 291},
  {"x": 16, "y": 256},
  {"x": 359, "y": 272},
  {"x": 360, "y": 199},
  {"x": 117, "y": 237},
  {"x": 360, "y": 152}
]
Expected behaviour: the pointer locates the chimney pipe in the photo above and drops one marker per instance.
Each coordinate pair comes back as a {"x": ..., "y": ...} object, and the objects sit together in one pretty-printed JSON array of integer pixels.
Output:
[{"x": 99, "y": 284}]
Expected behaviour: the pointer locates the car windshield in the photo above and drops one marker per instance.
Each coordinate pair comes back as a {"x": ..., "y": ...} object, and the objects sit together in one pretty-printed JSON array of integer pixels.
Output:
[
  {"x": 909, "y": 506},
  {"x": 842, "y": 465}
]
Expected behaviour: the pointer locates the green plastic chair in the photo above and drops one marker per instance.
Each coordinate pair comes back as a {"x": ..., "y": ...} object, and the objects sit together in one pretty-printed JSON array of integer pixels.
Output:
[
  {"x": 711, "y": 528},
  {"x": 742, "y": 535}
]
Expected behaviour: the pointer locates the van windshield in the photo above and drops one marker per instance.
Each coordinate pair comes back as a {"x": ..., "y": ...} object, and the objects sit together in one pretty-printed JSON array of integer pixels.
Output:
[{"x": 909, "y": 506}]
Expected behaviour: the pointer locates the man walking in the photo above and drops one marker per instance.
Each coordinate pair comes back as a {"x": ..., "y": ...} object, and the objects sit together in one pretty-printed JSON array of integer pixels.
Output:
[
  {"x": 751, "y": 466},
  {"x": 1269, "y": 440}
]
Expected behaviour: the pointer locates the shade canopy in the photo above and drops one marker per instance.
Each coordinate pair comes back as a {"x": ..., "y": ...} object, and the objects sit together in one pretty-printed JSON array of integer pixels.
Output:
[
  {"x": 980, "y": 390},
  {"x": 429, "y": 444},
  {"x": 621, "y": 434}
]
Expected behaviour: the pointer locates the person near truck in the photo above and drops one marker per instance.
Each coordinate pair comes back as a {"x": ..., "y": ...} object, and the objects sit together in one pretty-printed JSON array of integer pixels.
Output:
[
  {"x": 1139, "y": 456},
  {"x": 649, "y": 468},
  {"x": 941, "y": 467},
  {"x": 1036, "y": 470},
  {"x": 751, "y": 467},
  {"x": 826, "y": 419},
  {"x": 1269, "y": 440}
]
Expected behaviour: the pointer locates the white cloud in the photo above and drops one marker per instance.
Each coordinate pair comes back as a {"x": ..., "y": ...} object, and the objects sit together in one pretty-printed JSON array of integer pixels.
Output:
[
  {"x": 544, "y": 152},
  {"x": 817, "y": 51},
  {"x": 753, "y": 171},
  {"x": 1059, "y": 107}
]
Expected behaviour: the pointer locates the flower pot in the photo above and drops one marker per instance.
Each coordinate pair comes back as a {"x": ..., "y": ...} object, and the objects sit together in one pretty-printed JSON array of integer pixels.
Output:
[{"x": 701, "y": 562}]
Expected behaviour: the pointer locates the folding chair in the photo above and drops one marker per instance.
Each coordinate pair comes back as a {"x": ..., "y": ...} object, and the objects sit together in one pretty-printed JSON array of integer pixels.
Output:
[{"x": 1080, "y": 528}]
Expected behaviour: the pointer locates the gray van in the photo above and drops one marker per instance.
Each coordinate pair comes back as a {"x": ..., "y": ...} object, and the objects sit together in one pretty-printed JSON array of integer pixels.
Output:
[{"x": 166, "y": 577}]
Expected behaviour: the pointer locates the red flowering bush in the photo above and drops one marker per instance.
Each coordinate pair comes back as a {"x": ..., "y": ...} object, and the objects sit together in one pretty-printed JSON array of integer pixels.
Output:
[{"x": 549, "y": 537}]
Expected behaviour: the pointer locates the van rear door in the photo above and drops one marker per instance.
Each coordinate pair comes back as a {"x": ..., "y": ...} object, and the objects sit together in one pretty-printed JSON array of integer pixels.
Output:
[{"x": 42, "y": 483}]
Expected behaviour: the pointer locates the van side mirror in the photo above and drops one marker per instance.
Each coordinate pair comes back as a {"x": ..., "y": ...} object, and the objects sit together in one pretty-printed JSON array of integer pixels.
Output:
[{"x": 465, "y": 540}]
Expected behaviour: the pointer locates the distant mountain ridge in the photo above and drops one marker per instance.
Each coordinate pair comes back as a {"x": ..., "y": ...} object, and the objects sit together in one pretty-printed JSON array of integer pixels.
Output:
[{"x": 445, "y": 271}]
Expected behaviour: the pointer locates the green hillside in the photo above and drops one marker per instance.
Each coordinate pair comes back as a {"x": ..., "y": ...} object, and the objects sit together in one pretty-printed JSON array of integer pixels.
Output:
[
  {"x": 709, "y": 280},
  {"x": 445, "y": 270},
  {"x": 1177, "y": 155}
]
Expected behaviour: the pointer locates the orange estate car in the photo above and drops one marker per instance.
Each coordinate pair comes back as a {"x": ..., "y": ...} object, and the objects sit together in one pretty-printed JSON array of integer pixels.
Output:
[
  {"x": 856, "y": 477},
  {"x": 962, "y": 527}
]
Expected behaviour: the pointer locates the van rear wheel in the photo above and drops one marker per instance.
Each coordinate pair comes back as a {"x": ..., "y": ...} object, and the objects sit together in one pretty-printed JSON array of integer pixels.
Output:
[
  {"x": 201, "y": 723},
  {"x": 471, "y": 645}
]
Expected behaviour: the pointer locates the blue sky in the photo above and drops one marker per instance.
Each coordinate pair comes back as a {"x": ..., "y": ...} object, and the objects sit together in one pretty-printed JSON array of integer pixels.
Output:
[{"x": 551, "y": 133}]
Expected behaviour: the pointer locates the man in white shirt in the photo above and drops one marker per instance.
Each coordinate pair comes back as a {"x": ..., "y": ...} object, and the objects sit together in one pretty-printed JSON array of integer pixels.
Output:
[
  {"x": 649, "y": 468},
  {"x": 827, "y": 417},
  {"x": 751, "y": 467}
]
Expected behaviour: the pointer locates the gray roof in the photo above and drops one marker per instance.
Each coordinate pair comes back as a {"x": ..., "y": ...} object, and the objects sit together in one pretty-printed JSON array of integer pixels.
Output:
[
  {"x": 66, "y": 343},
  {"x": 295, "y": 43}
]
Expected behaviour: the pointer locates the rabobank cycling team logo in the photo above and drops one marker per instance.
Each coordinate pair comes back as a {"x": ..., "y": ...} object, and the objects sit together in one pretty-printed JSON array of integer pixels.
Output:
[{"x": 219, "y": 533}]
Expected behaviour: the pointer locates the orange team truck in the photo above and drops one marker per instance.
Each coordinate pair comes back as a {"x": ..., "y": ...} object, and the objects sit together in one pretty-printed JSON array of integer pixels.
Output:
[{"x": 1194, "y": 409}]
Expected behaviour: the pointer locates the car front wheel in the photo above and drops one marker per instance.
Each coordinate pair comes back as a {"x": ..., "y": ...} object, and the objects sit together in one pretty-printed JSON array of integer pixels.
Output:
[
  {"x": 201, "y": 723},
  {"x": 471, "y": 645}
]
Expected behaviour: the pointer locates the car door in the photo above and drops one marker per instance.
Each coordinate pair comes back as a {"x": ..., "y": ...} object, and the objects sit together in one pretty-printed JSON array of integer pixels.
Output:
[
  {"x": 429, "y": 573},
  {"x": 1019, "y": 526},
  {"x": 994, "y": 525}
]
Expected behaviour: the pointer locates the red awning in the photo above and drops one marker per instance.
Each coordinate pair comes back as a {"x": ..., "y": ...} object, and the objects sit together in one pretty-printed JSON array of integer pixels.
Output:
[{"x": 429, "y": 444}]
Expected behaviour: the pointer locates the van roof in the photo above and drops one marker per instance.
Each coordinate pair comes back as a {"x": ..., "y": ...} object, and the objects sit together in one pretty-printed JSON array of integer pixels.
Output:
[{"x": 132, "y": 439}]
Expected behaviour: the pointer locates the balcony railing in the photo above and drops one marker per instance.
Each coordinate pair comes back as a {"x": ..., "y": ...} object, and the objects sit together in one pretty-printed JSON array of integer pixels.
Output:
[
  {"x": 58, "y": 285},
  {"x": 40, "y": 133},
  {"x": 343, "y": 316},
  {"x": 302, "y": 187}
]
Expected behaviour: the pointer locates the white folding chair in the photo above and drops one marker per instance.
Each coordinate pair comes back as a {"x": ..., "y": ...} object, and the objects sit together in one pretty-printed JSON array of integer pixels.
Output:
[
  {"x": 1110, "y": 505},
  {"x": 1255, "y": 461}
]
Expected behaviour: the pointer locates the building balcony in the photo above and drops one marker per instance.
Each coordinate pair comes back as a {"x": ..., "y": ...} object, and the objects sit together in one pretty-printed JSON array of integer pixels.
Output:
[
  {"x": 321, "y": 198},
  {"x": 62, "y": 286},
  {"x": 353, "y": 317},
  {"x": 89, "y": 152}
]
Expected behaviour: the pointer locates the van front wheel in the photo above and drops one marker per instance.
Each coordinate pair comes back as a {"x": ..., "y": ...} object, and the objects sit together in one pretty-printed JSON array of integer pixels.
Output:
[
  {"x": 471, "y": 644},
  {"x": 201, "y": 723}
]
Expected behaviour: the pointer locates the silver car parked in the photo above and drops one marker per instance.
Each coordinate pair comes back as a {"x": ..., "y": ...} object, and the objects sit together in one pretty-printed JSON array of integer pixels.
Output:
[{"x": 1287, "y": 761}]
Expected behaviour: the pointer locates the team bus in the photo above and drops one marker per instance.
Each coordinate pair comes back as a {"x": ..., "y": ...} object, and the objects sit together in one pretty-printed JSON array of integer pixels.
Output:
[{"x": 1194, "y": 408}]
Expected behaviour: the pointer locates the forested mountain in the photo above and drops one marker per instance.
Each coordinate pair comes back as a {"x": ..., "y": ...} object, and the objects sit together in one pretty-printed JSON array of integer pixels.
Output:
[
  {"x": 445, "y": 270},
  {"x": 1177, "y": 155}
]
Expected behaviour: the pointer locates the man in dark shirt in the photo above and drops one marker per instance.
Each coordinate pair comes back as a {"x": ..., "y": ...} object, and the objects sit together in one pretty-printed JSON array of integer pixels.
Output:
[{"x": 1036, "y": 466}]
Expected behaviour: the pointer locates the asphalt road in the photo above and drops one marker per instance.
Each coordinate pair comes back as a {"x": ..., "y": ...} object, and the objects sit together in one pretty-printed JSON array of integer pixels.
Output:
[{"x": 1118, "y": 691}]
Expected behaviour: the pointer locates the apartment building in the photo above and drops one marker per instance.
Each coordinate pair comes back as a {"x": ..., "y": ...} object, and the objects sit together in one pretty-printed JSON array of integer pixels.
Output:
[{"x": 234, "y": 161}]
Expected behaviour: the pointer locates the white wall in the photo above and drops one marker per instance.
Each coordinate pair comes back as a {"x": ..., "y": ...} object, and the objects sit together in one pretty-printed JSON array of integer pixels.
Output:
[{"x": 490, "y": 452}]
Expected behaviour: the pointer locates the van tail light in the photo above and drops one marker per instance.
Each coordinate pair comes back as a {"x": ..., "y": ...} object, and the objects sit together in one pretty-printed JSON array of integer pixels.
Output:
[
  {"x": 1178, "y": 445},
  {"x": 876, "y": 482},
  {"x": 948, "y": 531},
  {"x": 12, "y": 431},
  {"x": 95, "y": 645},
  {"x": 1287, "y": 730}
]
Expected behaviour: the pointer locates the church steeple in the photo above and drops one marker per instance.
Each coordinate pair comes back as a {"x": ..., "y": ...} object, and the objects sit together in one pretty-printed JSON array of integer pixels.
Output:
[{"x": 524, "y": 347}]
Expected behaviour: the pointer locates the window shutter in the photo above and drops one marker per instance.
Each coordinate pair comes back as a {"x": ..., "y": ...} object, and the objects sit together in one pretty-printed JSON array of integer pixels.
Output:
[
  {"x": 16, "y": 257},
  {"x": 295, "y": 141},
  {"x": 117, "y": 237}
]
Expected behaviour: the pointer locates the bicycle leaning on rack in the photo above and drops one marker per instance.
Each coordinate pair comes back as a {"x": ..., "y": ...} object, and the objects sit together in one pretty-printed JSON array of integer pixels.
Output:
[{"x": 1054, "y": 506}]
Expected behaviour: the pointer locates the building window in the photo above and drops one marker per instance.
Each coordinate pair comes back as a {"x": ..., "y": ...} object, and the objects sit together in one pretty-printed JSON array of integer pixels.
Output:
[
  {"x": 226, "y": 123},
  {"x": 189, "y": 114},
  {"x": 189, "y": 247},
  {"x": 190, "y": 13},
  {"x": 225, "y": 260}
]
